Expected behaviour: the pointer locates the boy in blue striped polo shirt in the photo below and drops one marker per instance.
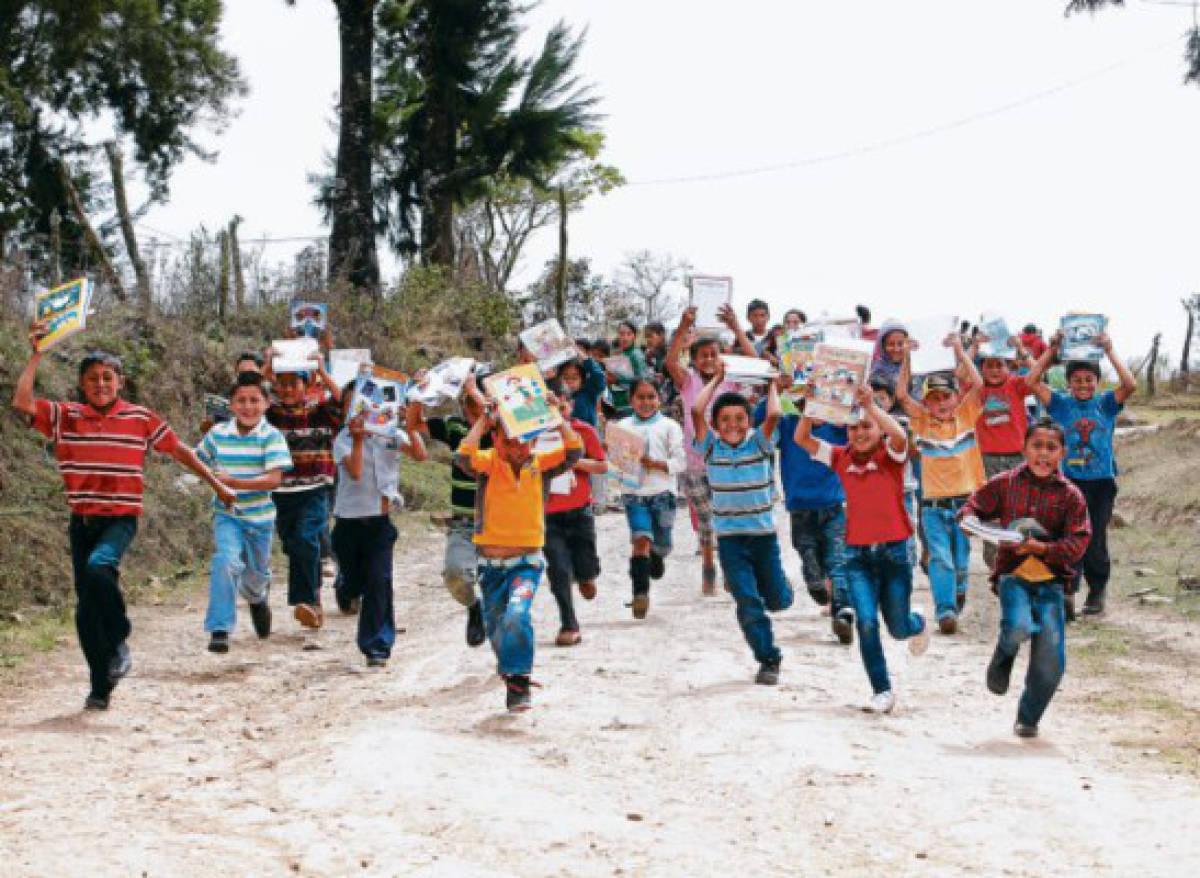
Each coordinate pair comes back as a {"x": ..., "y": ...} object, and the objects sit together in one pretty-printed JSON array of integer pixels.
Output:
[
  {"x": 250, "y": 456},
  {"x": 739, "y": 460}
]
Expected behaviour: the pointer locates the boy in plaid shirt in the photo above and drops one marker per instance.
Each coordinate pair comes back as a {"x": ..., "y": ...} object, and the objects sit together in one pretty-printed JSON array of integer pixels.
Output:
[{"x": 1037, "y": 499}]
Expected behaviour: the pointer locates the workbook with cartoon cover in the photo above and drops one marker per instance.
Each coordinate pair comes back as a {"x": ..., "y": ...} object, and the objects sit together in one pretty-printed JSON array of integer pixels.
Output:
[
  {"x": 797, "y": 350},
  {"x": 625, "y": 448},
  {"x": 443, "y": 382},
  {"x": 1079, "y": 334},
  {"x": 521, "y": 401},
  {"x": 64, "y": 310},
  {"x": 549, "y": 344},
  {"x": 839, "y": 369},
  {"x": 309, "y": 319},
  {"x": 379, "y": 396}
]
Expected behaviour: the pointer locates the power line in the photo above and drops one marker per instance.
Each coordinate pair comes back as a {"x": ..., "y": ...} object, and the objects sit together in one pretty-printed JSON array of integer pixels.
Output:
[{"x": 901, "y": 140}]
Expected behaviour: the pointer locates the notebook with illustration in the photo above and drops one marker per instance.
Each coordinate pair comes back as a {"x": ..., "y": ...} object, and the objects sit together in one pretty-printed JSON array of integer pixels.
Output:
[
  {"x": 549, "y": 344},
  {"x": 64, "y": 310},
  {"x": 379, "y": 396},
  {"x": 619, "y": 365},
  {"x": 625, "y": 448},
  {"x": 839, "y": 369},
  {"x": 708, "y": 295},
  {"x": 443, "y": 382},
  {"x": 521, "y": 401},
  {"x": 797, "y": 350},
  {"x": 309, "y": 319},
  {"x": 996, "y": 329},
  {"x": 294, "y": 355},
  {"x": 1079, "y": 333}
]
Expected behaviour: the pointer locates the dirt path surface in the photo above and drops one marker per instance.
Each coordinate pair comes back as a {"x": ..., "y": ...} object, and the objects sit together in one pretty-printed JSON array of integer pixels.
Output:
[{"x": 649, "y": 751}]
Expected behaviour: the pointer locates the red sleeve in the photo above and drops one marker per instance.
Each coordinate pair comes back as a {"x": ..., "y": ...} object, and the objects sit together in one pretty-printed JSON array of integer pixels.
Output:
[
  {"x": 1077, "y": 532},
  {"x": 592, "y": 448},
  {"x": 837, "y": 461},
  {"x": 47, "y": 417},
  {"x": 160, "y": 435},
  {"x": 984, "y": 503}
]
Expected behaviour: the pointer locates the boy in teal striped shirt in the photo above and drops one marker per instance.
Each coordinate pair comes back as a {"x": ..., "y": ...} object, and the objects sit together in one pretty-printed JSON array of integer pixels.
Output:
[{"x": 250, "y": 456}]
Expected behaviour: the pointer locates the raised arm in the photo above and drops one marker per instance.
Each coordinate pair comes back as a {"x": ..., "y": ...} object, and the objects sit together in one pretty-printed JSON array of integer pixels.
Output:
[
  {"x": 890, "y": 428},
  {"x": 771, "y": 419},
  {"x": 804, "y": 437},
  {"x": 1128, "y": 383},
  {"x": 911, "y": 407},
  {"x": 700, "y": 408},
  {"x": 1033, "y": 380},
  {"x": 674, "y": 365},
  {"x": 24, "y": 400},
  {"x": 729, "y": 318},
  {"x": 967, "y": 366}
]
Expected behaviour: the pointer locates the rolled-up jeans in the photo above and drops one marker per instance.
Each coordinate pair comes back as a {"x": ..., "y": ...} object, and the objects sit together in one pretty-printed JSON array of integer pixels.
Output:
[
  {"x": 880, "y": 581},
  {"x": 508, "y": 586},
  {"x": 241, "y": 564}
]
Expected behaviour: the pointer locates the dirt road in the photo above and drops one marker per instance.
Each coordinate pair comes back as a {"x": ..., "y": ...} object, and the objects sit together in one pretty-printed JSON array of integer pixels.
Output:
[{"x": 649, "y": 751}]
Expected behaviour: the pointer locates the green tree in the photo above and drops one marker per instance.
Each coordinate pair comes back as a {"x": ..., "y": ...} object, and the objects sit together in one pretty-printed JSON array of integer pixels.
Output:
[
  {"x": 1191, "y": 50},
  {"x": 151, "y": 70},
  {"x": 458, "y": 107}
]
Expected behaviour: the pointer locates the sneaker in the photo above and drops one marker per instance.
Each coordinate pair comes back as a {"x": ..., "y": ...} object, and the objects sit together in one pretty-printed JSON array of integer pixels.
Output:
[
  {"x": 657, "y": 566},
  {"x": 641, "y": 604},
  {"x": 307, "y": 615},
  {"x": 348, "y": 605},
  {"x": 918, "y": 644},
  {"x": 377, "y": 661},
  {"x": 999, "y": 671},
  {"x": 1093, "y": 605},
  {"x": 948, "y": 624},
  {"x": 95, "y": 701},
  {"x": 260, "y": 615},
  {"x": 708, "y": 581},
  {"x": 218, "y": 642},
  {"x": 568, "y": 637},
  {"x": 517, "y": 697},
  {"x": 768, "y": 673},
  {"x": 883, "y": 702},
  {"x": 843, "y": 625},
  {"x": 587, "y": 590},
  {"x": 1024, "y": 730},
  {"x": 475, "y": 631},
  {"x": 819, "y": 593},
  {"x": 120, "y": 664}
]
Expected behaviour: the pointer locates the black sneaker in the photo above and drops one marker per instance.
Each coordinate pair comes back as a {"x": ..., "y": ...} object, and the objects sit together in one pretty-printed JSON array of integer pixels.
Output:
[
  {"x": 999, "y": 671},
  {"x": 1025, "y": 730},
  {"x": 120, "y": 664},
  {"x": 517, "y": 698},
  {"x": 657, "y": 566},
  {"x": 768, "y": 673},
  {"x": 475, "y": 630},
  {"x": 347, "y": 604},
  {"x": 218, "y": 642},
  {"x": 95, "y": 701},
  {"x": 377, "y": 661},
  {"x": 819, "y": 594},
  {"x": 1093, "y": 605},
  {"x": 260, "y": 615},
  {"x": 843, "y": 625}
]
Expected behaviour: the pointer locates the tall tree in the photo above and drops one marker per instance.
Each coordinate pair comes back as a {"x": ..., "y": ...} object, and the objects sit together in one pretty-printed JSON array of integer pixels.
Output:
[
  {"x": 655, "y": 280},
  {"x": 1191, "y": 49},
  {"x": 153, "y": 71},
  {"x": 458, "y": 107}
]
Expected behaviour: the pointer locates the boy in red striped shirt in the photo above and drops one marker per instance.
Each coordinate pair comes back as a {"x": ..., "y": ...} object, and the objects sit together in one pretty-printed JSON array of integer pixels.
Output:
[{"x": 101, "y": 446}]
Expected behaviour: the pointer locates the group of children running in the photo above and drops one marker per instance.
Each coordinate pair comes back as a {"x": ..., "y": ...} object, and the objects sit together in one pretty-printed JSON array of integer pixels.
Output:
[{"x": 922, "y": 455}]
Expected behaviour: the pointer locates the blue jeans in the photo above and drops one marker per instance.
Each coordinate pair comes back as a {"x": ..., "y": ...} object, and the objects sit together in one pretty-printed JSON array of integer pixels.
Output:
[
  {"x": 508, "y": 587},
  {"x": 1033, "y": 611},
  {"x": 880, "y": 580},
  {"x": 652, "y": 517},
  {"x": 754, "y": 573},
  {"x": 819, "y": 536},
  {"x": 241, "y": 564},
  {"x": 949, "y": 556},
  {"x": 98, "y": 543},
  {"x": 364, "y": 552},
  {"x": 300, "y": 517}
]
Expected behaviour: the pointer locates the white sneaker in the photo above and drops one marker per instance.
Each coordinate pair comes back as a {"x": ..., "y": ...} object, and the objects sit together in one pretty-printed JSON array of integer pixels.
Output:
[
  {"x": 883, "y": 702},
  {"x": 919, "y": 643}
]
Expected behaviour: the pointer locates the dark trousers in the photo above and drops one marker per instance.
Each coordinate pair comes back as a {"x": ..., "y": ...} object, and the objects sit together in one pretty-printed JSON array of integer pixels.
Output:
[
  {"x": 97, "y": 545},
  {"x": 1099, "y": 494},
  {"x": 300, "y": 516},
  {"x": 570, "y": 554},
  {"x": 364, "y": 551}
]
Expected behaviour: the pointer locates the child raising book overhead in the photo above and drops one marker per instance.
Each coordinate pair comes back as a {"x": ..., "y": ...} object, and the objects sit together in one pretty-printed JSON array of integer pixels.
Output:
[
  {"x": 510, "y": 531},
  {"x": 740, "y": 462},
  {"x": 876, "y": 563},
  {"x": 101, "y": 446}
]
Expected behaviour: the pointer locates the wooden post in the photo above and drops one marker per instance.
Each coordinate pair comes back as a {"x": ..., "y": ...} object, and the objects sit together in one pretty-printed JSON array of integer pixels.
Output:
[
  {"x": 55, "y": 248},
  {"x": 235, "y": 257},
  {"x": 560, "y": 280},
  {"x": 89, "y": 233},
  {"x": 1152, "y": 366},
  {"x": 223, "y": 276}
]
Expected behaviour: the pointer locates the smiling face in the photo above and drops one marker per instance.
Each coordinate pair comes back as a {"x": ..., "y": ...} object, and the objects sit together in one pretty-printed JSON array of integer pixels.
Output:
[
  {"x": 706, "y": 359},
  {"x": 1083, "y": 384},
  {"x": 994, "y": 371},
  {"x": 101, "y": 385},
  {"x": 792, "y": 321},
  {"x": 645, "y": 400},
  {"x": 248, "y": 404},
  {"x": 626, "y": 336},
  {"x": 893, "y": 345},
  {"x": 732, "y": 423},
  {"x": 1043, "y": 451},
  {"x": 290, "y": 387},
  {"x": 865, "y": 436},
  {"x": 941, "y": 404},
  {"x": 515, "y": 453},
  {"x": 571, "y": 378}
]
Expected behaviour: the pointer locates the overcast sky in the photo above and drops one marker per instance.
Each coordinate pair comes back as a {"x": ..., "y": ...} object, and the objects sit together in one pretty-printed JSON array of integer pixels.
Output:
[{"x": 1040, "y": 202}]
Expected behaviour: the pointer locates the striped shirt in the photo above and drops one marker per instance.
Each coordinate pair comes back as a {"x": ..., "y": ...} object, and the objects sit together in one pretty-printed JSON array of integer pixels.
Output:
[
  {"x": 742, "y": 482},
  {"x": 102, "y": 456},
  {"x": 309, "y": 431},
  {"x": 246, "y": 456}
]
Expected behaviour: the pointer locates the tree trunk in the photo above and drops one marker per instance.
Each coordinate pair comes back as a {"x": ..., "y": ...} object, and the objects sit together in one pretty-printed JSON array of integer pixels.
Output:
[
  {"x": 440, "y": 147},
  {"x": 235, "y": 258},
  {"x": 1152, "y": 366},
  {"x": 116, "y": 166},
  {"x": 352, "y": 255},
  {"x": 560, "y": 281},
  {"x": 89, "y": 233},
  {"x": 55, "y": 248},
  {"x": 223, "y": 276},
  {"x": 1185, "y": 361}
]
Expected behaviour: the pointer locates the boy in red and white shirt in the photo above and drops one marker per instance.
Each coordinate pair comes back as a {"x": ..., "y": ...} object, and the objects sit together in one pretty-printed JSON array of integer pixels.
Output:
[
  {"x": 101, "y": 446},
  {"x": 877, "y": 568}
]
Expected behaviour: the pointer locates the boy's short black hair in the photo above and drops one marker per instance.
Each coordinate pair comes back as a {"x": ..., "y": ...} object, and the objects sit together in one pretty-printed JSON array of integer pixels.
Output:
[
  {"x": 1074, "y": 366},
  {"x": 569, "y": 364},
  {"x": 254, "y": 356},
  {"x": 757, "y": 305},
  {"x": 602, "y": 345},
  {"x": 101, "y": 358},
  {"x": 882, "y": 382},
  {"x": 1045, "y": 423},
  {"x": 656, "y": 326},
  {"x": 250, "y": 379},
  {"x": 1030, "y": 329},
  {"x": 730, "y": 399},
  {"x": 864, "y": 313}
]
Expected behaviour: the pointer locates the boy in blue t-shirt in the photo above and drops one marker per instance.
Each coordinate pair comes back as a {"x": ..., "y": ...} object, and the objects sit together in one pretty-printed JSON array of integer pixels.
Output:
[
  {"x": 816, "y": 505},
  {"x": 1088, "y": 417},
  {"x": 740, "y": 464}
]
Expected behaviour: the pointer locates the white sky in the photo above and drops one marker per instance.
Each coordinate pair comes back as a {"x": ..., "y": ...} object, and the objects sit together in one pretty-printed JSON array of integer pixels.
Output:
[{"x": 1084, "y": 199}]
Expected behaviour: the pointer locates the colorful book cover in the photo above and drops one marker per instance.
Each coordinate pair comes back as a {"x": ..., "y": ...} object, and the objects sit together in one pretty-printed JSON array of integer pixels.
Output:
[
  {"x": 443, "y": 382},
  {"x": 625, "y": 449},
  {"x": 309, "y": 319},
  {"x": 344, "y": 363},
  {"x": 996, "y": 329},
  {"x": 216, "y": 408},
  {"x": 521, "y": 401},
  {"x": 293, "y": 355},
  {"x": 619, "y": 365},
  {"x": 550, "y": 346},
  {"x": 64, "y": 310},
  {"x": 839, "y": 369},
  {"x": 708, "y": 295},
  {"x": 1079, "y": 333},
  {"x": 379, "y": 398},
  {"x": 797, "y": 350}
]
